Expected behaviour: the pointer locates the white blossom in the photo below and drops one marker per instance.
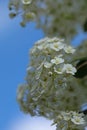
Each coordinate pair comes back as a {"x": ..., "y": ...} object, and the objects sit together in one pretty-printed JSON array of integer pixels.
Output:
[
  {"x": 69, "y": 49},
  {"x": 77, "y": 120},
  {"x": 47, "y": 64},
  {"x": 26, "y": 2},
  {"x": 68, "y": 68},
  {"x": 41, "y": 47},
  {"x": 66, "y": 115},
  {"x": 57, "y": 46},
  {"x": 57, "y": 60},
  {"x": 58, "y": 70}
]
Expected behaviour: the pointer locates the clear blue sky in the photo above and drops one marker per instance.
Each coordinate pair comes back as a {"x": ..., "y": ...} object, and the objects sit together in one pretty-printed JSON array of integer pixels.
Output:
[{"x": 15, "y": 43}]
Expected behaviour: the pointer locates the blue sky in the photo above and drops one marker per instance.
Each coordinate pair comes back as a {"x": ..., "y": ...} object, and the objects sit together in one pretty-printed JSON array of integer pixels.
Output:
[{"x": 15, "y": 43}]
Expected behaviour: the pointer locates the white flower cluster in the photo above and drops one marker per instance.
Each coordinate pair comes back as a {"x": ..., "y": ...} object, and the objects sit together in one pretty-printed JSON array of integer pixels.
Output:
[
  {"x": 52, "y": 55},
  {"x": 45, "y": 92},
  {"x": 53, "y": 17},
  {"x": 68, "y": 120},
  {"x": 76, "y": 118},
  {"x": 48, "y": 74}
]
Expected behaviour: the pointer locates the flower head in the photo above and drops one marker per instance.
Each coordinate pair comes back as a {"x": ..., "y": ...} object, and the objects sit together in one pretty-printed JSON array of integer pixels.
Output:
[
  {"x": 47, "y": 64},
  {"x": 57, "y": 46},
  {"x": 68, "y": 68},
  {"x": 26, "y": 2},
  {"x": 77, "y": 120},
  {"x": 66, "y": 115},
  {"x": 58, "y": 70},
  {"x": 69, "y": 49},
  {"x": 57, "y": 60}
]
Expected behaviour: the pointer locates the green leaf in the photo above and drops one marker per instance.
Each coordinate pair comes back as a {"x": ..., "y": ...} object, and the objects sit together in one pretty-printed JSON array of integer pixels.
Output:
[{"x": 81, "y": 68}]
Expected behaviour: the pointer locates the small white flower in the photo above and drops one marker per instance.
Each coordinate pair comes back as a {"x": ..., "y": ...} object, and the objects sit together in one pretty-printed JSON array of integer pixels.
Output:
[
  {"x": 76, "y": 114},
  {"x": 59, "y": 117},
  {"x": 57, "y": 60},
  {"x": 66, "y": 116},
  {"x": 68, "y": 68},
  {"x": 77, "y": 120},
  {"x": 69, "y": 49},
  {"x": 26, "y": 2},
  {"x": 41, "y": 47},
  {"x": 50, "y": 73},
  {"x": 57, "y": 46},
  {"x": 58, "y": 71},
  {"x": 47, "y": 64}
]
